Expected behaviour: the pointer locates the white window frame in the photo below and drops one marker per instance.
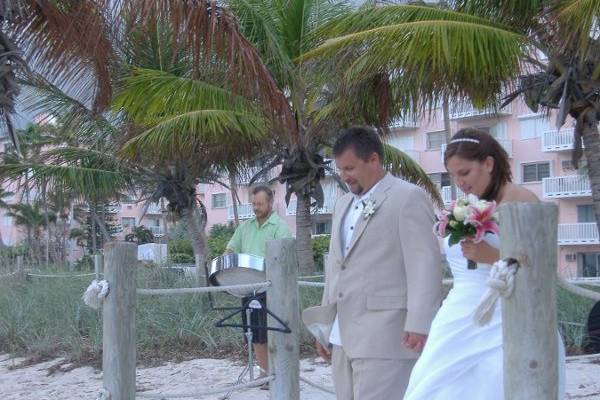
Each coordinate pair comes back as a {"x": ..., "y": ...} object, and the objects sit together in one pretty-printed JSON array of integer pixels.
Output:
[
  {"x": 522, "y": 170},
  {"x": 128, "y": 218},
  {"x": 213, "y": 198},
  {"x": 427, "y": 142},
  {"x": 536, "y": 134}
]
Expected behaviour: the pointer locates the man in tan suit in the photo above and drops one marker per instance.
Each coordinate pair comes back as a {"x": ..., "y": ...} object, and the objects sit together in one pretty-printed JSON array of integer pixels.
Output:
[{"x": 383, "y": 275}]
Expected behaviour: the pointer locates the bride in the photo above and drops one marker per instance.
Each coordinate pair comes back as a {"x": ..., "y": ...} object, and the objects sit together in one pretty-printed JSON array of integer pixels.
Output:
[{"x": 461, "y": 360}]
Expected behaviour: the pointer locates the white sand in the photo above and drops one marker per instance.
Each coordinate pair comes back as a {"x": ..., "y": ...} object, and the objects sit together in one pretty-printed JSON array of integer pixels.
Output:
[{"x": 33, "y": 382}]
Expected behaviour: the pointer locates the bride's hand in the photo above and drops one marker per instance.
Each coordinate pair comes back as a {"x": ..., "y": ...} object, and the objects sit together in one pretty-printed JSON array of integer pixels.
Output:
[{"x": 479, "y": 252}]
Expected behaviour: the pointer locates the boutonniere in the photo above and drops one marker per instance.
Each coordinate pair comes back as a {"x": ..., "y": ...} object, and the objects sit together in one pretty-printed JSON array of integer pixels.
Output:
[{"x": 369, "y": 208}]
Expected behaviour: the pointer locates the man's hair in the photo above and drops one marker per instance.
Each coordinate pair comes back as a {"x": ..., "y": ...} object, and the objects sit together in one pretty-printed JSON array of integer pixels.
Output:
[
  {"x": 363, "y": 140},
  {"x": 262, "y": 188}
]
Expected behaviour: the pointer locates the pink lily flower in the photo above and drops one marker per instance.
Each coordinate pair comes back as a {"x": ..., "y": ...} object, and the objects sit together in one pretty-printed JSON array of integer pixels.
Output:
[
  {"x": 483, "y": 221},
  {"x": 440, "y": 227}
]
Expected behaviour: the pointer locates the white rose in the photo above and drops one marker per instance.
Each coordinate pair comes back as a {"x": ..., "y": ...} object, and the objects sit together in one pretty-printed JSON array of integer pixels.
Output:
[{"x": 460, "y": 212}]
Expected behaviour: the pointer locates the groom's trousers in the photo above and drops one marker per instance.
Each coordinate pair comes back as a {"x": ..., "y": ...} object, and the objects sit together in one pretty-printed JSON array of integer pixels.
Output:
[{"x": 369, "y": 378}]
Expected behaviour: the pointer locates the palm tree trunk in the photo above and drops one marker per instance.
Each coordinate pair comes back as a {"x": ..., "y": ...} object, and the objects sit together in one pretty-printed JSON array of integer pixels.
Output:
[
  {"x": 194, "y": 221},
  {"x": 92, "y": 206},
  {"x": 448, "y": 130},
  {"x": 234, "y": 200},
  {"x": 591, "y": 142},
  {"x": 306, "y": 262}
]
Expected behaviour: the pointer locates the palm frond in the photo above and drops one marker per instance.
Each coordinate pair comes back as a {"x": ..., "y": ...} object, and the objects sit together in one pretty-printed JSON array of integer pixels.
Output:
[
  {"x": 580, "y": 19},
  {"x": 400, "y": 164},
  {"x": 86, "y": 182},
  {"x": 77, "y": 121},
  {"x": 151, "y": 94},
  {"x": 424, "y": 51},
  {"x": 195, "y": 130},
  {"x": 522, "y": 15}
]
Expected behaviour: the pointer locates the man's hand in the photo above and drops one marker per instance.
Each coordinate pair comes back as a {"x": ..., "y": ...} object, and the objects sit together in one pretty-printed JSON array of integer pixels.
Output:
[
  {"x": 322, "y": 351},
  {"x": 414, "y": 341}
]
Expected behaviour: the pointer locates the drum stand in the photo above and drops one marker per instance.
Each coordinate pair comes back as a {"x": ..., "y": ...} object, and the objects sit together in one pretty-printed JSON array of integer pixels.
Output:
[{"x": 253, "y": 303}]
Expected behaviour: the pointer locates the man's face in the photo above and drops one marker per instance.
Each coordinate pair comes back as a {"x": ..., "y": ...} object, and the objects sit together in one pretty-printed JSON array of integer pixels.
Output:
[
  {"x": 357, "y": 173},
  {"x": 261, "y": 205}
]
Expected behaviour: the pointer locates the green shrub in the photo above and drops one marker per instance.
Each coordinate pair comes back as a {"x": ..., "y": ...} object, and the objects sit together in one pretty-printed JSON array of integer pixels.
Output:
[
  {"x": 218, "y": 237},
  {"x": 320, "y": 246},
  {"x": 181, "y": 258}
]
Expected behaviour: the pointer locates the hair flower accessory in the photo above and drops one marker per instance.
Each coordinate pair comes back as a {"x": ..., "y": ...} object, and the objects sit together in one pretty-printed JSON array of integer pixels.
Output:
[{"x": 369, "y": 208}]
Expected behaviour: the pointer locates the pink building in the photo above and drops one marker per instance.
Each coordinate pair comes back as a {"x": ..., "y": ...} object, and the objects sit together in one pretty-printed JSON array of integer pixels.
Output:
[{"x": 540, "y": 160}]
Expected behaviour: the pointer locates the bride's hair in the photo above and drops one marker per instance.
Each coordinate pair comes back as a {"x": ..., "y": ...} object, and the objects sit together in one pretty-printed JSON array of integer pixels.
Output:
[{"x": 476, "y": 145}]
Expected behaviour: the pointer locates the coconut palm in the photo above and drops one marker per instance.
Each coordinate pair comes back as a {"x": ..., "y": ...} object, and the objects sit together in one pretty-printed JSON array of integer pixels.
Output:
[
  {"x": 544, "y": 51},
  {"x": 282, "y": 31}
]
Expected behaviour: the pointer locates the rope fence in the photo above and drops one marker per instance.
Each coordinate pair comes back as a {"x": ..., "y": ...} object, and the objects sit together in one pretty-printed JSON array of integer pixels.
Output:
[
  {"x": 227, "y": 389},
  {"x": 316, "y": 385},
  {"x": 206, "y": 289}
]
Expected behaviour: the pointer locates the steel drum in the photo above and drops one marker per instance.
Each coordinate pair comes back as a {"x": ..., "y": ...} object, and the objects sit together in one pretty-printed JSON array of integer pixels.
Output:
[{"x": 237, "y": 269}]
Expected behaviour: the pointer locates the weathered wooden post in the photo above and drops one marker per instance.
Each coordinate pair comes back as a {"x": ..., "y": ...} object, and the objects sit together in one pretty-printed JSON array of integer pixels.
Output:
[
  {"x": 21, "y": 274},
  {"x": 98, "y": 267},
  {"x": 528, "y": 232},
  {"x": 282, "y": 300},
  {"x": 118, "y": 340}
]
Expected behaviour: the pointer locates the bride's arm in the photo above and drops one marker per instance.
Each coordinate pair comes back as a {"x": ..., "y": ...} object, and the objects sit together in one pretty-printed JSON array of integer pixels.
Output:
[{"x": 480, "y": 252}]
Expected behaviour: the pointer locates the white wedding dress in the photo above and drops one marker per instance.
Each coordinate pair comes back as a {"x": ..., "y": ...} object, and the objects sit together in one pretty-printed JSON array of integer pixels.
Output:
[{"x": 461, "y": 360}]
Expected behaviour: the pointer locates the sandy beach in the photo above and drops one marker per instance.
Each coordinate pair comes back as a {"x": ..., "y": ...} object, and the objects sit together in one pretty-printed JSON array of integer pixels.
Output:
[{"x": 33, "y": 382}]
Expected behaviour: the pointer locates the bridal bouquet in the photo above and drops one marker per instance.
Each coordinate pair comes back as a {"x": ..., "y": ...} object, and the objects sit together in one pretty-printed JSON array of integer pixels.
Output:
[{"x": 467, "y": 218}]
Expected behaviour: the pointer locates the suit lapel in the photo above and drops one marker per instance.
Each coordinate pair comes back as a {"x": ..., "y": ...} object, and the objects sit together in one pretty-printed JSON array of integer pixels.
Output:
[
  {"x": 345, "y": 203},
  {"x": 378, "y": 198}
]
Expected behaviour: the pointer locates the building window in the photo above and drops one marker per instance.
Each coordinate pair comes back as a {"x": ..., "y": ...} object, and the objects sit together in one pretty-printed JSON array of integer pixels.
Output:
[
  {"x": 441, "y": 179},
  {"x": 322, "y": 228},
  {"x": 7, "y": 221},
  {"x": 590, "y": 265},
  {"x": 128, "y": 222},
  {"x": 533, "y": 126},
  {"x": 219, "y": 200},
  {"x": 585, "y": 213},
  {"x": 435, "y": 140},
  {"x": 535, "y": 172}
]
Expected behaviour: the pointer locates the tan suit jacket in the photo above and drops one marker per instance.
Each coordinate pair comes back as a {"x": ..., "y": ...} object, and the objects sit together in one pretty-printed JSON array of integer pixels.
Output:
[{"x": 390, "y": 280}]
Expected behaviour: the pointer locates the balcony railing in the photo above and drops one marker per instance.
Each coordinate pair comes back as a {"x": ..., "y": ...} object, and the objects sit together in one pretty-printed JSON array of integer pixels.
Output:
[
  {"x": 116, "y": 230},
  {"x": 157, "y": 231},
  {"x": 154, "y": 209},
  {"x": 464, "y": 110},
  {"x": 245, "y": 176},
  {"x": 447, "y": 195},
  {"x": 327, "y": 208},
  {"x": 506, "y": 144},
  {"x": 580, "y": 233},
  {"x": 244, "y": 211},
  {"x": 404, "y": 123},
  {"x": 557, "y": 140},
  {"x": 567, "y": 186}
]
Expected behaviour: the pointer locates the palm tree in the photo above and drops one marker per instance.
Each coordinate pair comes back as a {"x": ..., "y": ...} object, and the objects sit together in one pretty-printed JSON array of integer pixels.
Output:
[
  {"x": 33, "y": 219},
  {"x": 99, "y": 41},
  {"x": 282, "y": 31},
  {"x": 4, "y": 194}
]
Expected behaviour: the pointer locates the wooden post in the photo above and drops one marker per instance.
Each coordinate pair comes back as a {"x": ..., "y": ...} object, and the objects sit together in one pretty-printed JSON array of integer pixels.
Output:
[
  {"x": 98, "y": 265},
  {"x": 118, "y": 341},
  {"x": 282, "y": 300},
  {"x": 529, "y": 234},
  {"x": 21, "y": 275}
]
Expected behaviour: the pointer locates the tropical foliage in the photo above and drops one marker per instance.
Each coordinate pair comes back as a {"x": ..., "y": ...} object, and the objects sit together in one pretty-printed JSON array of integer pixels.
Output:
[{"x": 484, "y": 51}]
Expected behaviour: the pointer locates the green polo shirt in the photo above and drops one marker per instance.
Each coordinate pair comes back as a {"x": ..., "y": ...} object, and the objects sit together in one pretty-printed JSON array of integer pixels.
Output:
[{"x": 250, "y": 238}]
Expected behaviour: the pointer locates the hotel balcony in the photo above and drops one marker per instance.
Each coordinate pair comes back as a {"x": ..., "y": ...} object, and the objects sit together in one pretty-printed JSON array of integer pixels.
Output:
[
  {"x": 116, "y": 230},
  {"x": 557, "y": 140},
  {"x": 578, "y": 234},
  {"x": 507, "y": 145},
  {"x": 465, "y": 110},
  {"x": 403, "y": 123},
  {"x": 154, "y": 209},
  {"x": 157, "y": 231},
  {"x": 567, "y": 186},
  {"x": 327, "y": 208},
  {"x": 244, "y": 211},
  {"x": 447, "y": 195},
  {"x": 245, "y": 176}
]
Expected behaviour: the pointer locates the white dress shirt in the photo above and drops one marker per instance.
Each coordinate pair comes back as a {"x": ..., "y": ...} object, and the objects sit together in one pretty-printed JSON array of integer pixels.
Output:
[{"x": 347, "y": 230}]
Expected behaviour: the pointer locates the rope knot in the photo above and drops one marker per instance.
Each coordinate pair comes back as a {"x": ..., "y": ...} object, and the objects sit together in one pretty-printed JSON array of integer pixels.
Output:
[
  {"x": 95, "y": 293},
  {"x": 501, "y": 282}
]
